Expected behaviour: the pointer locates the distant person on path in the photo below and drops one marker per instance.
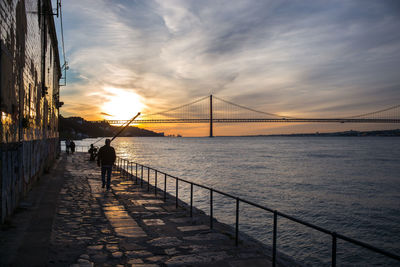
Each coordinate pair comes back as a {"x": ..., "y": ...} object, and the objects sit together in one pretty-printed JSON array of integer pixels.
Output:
[
  {"x": 105, "y": 159},
  {"x": 93, "y": 152},
  {"x": 67, "y": 145},
  {"x": 72, "y": 146}
]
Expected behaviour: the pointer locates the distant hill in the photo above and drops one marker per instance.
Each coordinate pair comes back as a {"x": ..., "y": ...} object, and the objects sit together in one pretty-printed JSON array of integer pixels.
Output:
[
  {"x": 395, "y": 132},
  {"x": 78, "y": 128}
]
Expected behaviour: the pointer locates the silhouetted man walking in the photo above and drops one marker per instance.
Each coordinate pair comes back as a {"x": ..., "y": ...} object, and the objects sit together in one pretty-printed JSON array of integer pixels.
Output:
[{"x": 106, "y": 158}]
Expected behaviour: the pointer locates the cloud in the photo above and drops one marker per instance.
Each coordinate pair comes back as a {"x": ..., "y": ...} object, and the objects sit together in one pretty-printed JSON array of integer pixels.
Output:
[{"x": 302, "y": 57}]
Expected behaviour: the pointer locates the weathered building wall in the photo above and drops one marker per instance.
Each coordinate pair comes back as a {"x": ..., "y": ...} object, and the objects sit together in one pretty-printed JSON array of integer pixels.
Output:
[{"x": 29, "y": 96}]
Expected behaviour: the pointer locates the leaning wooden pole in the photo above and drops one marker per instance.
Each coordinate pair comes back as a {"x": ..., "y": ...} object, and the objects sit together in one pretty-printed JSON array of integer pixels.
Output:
[
  {"x": 211, "y": 117},
  {"x": 115, "y": 136}
]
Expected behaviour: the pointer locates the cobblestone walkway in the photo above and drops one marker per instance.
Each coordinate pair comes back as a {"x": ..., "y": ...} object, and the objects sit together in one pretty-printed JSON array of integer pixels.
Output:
[{"x": 128, "y": 226}]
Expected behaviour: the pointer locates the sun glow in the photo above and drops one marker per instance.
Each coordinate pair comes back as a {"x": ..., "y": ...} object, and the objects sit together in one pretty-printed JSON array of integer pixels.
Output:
[{"x": 121, "y": 104}]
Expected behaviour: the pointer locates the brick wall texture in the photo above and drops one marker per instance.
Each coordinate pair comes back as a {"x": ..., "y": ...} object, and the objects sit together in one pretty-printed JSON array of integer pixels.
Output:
[{"x": 29, "y": 97}]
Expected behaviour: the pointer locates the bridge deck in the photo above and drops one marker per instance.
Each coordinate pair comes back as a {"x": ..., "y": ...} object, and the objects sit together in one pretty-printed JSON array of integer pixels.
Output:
[{"x": 249, "y": 120}]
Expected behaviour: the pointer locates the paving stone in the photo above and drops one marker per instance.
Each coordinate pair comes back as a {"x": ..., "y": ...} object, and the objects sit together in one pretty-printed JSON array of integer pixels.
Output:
[
  {"x": 117, "y": 215},
  {"x": 84, "y": 238},
  {"x": 156, "y": 259},
  {"x": 186, "y": 260},
  {"x": 82, "y": 261},
  {"x": 84, "y": 256},
  {"x": 117, "y": 254},
  {"x": 146, "y": 195},
  {"x": 130, "y": 246},
  {"x": 113, "y": 208},
  {"x": 193, "y": 228},
  {"x": 165, "y": 241},
  {"x": 153, "y": 208},
  {"x": 170, "y": 251},
  {"x": 196, "y": 248},
  {"x": 123, "y": 222},
  {"x": 135, "y": 261},
  {"x": 112, "y": 248},
  {"x": 150, "y": 222},
  {"x": 128, "y": 183},
  {"x": 126, "y": 193},
  {"x": 197, "y": 258},
  {"x": 138, "y": 253},
  {"x": 147, "y": 201},
  {"x": 144, "y": 265},
  {"x": 86, "y": 264},
  {"x": 96, "y": 247},
  {"x": 105, "y": 231},
  {"x": 130, "y": 232}
]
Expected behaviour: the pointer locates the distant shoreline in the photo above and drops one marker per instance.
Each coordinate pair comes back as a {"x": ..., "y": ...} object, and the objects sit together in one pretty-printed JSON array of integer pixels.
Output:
[{"x": 379, "y": 133}]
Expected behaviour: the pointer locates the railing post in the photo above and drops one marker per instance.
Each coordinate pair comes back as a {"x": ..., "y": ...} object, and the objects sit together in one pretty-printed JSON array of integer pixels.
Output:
[
  {"x": 126, "y": 168},
  {"x": 237, "y": 223},
  {"x": 211, "y": 208},
  {"x": 148, "y": 179},
  {"x": 165, "y": 187},
  {"x": 334, "y": 241},
  {"x": 176, "y": 194},
  {"x": 155, "y": 182},
  {"x": 141, "y": 177},
  {"x": 274, "y": 238},
  {"x": 131, "y": 170},
  {"x": 125, "y": 165},
  {"x": 136, "y": 174},
  {"x": 211, "y": 117},
  {"x": 191, "y": 200}
]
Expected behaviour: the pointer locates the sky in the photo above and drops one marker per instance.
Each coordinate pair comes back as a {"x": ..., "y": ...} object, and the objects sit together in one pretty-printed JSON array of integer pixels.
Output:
[{"x": 298, "y": 58}]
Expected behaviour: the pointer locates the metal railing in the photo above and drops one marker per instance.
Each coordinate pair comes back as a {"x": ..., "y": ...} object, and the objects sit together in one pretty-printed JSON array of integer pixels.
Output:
[
  {"x": 77, "y": 148},
  {"x": 124, "y": 164}
]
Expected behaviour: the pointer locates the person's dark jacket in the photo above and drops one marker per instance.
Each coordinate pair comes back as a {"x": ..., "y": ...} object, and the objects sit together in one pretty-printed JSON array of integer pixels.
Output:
[{"x": 106, "y": 155}]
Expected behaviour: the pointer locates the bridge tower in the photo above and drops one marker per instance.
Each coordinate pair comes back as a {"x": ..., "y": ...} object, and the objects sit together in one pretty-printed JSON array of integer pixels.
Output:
[{"x": 211, "y": 117}]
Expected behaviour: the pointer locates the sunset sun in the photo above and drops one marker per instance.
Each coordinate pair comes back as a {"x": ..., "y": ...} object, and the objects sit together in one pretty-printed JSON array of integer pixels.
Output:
[{"x": 121, "y": 104}]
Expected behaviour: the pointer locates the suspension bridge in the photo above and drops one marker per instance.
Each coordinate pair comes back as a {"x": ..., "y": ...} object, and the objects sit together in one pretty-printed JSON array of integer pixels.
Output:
[{"x": 212, "y": 109}]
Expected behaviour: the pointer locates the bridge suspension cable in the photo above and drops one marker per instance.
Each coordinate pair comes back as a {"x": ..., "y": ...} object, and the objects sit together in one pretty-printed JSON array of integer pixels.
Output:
[
  {"x": 211, "y": 109},
  {"x": 396, "y": 114},
  {"x": 253, "y": 110},
  {"x": 176, "y": 108}
]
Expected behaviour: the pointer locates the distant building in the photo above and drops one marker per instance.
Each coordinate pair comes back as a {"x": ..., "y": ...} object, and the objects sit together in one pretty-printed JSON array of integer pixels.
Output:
[{"x": 29, "y": 97}]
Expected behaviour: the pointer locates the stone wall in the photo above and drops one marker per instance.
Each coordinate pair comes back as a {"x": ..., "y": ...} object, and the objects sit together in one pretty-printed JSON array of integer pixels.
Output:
[{"x": 29, "y": 96}]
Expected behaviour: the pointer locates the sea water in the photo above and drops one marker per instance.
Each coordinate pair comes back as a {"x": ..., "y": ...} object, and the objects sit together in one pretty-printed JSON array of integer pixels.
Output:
[{"x": 349, "y": 185}]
